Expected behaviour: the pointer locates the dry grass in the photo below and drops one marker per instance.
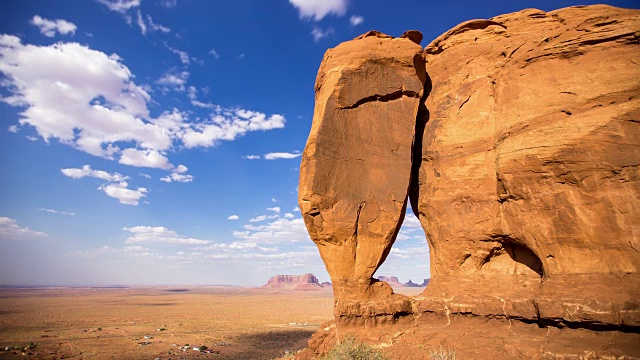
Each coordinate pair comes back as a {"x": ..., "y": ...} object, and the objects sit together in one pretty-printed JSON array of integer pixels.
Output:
[
  {"x": 64, "y": 322},
  {"x": 442, "y": 353},
  {"x": 350, "y": 349}
]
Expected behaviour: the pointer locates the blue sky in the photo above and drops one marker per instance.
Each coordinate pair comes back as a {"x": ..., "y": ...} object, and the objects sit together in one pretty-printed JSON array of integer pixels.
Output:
[{"x": 158, "y": 141}]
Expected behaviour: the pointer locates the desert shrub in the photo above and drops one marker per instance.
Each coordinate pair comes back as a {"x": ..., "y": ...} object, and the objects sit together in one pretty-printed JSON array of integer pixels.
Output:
[
  {"x": 350, "y": 349},
  {"x": 442, "y": 353},
  {"x": 203, "y": 348}
]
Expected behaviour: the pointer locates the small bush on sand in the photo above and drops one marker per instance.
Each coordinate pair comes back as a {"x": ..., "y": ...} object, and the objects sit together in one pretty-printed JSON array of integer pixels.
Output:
[
  {"x": 442, "y": 353},
  {"x": 349, "y": 349}
]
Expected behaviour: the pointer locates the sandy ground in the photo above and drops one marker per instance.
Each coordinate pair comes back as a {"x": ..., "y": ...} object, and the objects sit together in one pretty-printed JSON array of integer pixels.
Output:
[{"x": 111, "y": 323}]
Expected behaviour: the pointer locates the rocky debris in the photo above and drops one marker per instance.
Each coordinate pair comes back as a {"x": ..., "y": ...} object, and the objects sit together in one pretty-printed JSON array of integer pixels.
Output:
[
  {"x": 356, "y": 165},
  {"x": 519, "y": 146},
  {"x": 306, "y": 282}
]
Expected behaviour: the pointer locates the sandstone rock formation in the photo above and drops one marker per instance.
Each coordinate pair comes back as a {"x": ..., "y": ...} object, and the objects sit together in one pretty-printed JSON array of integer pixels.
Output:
[
  {"x": 306, "y": 282},
  {"x": 395, "y": 283},
  {"x": 529, "y": 181},
  {"x": 519, "y": 146},
  {"x": 356, "y": 166},
  {"x": 412, "y": 284}
]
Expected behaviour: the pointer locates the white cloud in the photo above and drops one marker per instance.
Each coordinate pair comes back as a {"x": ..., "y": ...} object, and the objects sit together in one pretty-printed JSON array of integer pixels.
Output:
[
  {"x": 141, "y": 24},
  {"x": 159, "y": 234},
  {"x": 169, "y": 3},
  {"x": 178, "y": 175},
  {"x": 275, "y": 209},
  {"x": 214, "y": 53},
  {"x": 282, "y": 155},
  {"x": 274, "y": 200},
  {"x": 258, "y": 218},
  {"x": 156, "y": 27},
  {"x": 10, "y": 230},
  {"x": 233, "y": 217},
  {"x": 228, "y": 125},
  {"x": 145, "y": 158},
  {"x": 289, "y": 216},
  {"x": 319, "y": 34},
  {"x": 87, "y": 171},
  {"x": 87, "y": 99},
  {"x": 121, "y": 6},
  {"x": 356, "y": 20},
  {"x": 296, "y": 209},
  {"x": 84, "y": 98},
  {"x": 281, "y": 230},
  {"x": 57, "y": 212},
  {"x": 252, "y": 157},
  {"x": 147, "y": 176},
  {"x": 318, "y": 9},
  {"x": 121, "y": 192},
  {"x": 184, "y": 56},
  {"x": 13, "y": 129},
  {"x": 49, "y": 28},
  {"x": 174, "y": 80}
]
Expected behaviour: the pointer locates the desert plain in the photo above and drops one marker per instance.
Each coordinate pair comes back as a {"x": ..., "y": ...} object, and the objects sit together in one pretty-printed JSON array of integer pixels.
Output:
[{"x": 111, "y": 323}]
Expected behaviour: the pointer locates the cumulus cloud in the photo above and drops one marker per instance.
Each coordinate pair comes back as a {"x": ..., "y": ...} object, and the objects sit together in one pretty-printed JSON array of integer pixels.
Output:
[
  {"x": 87, "y": 171},
  {"x": 184, "y": 56},
  {"x": 214, "y": 53},
  {"x": 356, "y": 20},
  {"x": 57, "y": 212},
  {"x": 116, "y": 187},
  {"x": 87, "y": 99},
  {"x": 159, "y": 234},
  {"x": 175, "y": 80},
  {"x": 281, "y": 230},
  {"x": 121, "y": 6},
  {"x": 121, "y": 192},
  {"x": 228, "y": 125},
  {"x": 282, "y": 155},
  {"x": 318, "y": 9},
  {"x": 275, "y": 209},
  {"x": 258, "y": 218},
  {"x": 252, "y": 157},
  {"x": 178, "y": 175},
  {"x": 10, "y": 230},
  {"x": 49, "y": 28},
  {"x": 233, "y": 217},
  {"x": 145, "y": 158},
  {"x": 84, "y": 98},
  {"x": 319, "y": 34}
]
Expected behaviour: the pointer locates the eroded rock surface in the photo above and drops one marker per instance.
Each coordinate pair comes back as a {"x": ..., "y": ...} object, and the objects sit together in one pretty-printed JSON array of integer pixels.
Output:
[
  {"x": 525, "y": 176},
  {"x": 530, "y": 174},
  {"x": 356, "y": 167}
]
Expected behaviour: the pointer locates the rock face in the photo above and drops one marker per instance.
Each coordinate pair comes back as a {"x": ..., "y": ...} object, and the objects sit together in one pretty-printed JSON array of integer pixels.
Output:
[
  {"x": 521, "y": 159},
  {"x": 306, "y": 282},
  {"x": 356, "y": 165},
  {"x": 529, "y": 181}
]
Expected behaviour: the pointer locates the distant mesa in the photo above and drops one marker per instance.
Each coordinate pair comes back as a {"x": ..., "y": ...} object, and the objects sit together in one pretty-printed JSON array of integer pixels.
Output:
[
  {"x": 306, "y": 282},
  {"x": 394, "y": 282}
]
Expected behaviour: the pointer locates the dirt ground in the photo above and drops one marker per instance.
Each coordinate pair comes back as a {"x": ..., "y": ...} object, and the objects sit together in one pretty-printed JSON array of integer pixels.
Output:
[{"x": 111, "y": 323}]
